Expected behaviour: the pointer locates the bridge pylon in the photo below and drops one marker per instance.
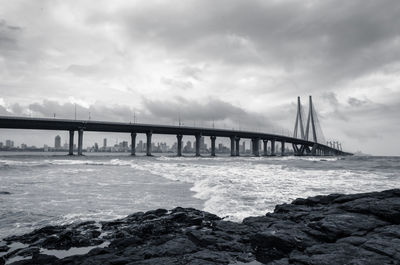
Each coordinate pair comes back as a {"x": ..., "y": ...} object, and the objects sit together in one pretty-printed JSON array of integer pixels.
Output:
[
  {"x": 299, "y": 129},
  {"x": 311, "y": 123},
  {"x": 312, "y": 131},
  {"x": 299, "y": 126}
]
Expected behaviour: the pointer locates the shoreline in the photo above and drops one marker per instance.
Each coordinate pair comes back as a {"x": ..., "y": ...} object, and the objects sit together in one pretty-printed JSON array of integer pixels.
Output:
[{"x": 330, "y": 229}]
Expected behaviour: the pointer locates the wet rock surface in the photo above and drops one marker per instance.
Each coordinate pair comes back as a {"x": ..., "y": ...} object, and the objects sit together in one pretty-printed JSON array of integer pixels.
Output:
[{"x": 334, "y": 229}]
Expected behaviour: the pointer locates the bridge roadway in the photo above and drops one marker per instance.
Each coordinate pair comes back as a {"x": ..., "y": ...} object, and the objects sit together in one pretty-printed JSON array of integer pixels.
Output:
[{"x": 300, "y": 146}]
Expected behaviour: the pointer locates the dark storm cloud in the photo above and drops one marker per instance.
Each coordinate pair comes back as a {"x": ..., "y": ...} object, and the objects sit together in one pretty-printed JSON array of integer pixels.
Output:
[
  {"x": 220, "y": 112},
  {"x": 8, "y": 36},
  {"x": 193, "y": 110},
  {"x": 97, "y": 111},
  {"x": 355, "y": 102},
  {"x": 166, "y": 112},
  {"x": 328, "y": 40}
]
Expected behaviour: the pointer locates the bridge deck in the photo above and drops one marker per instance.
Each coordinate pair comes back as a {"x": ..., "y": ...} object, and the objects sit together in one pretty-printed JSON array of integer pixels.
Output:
[{"x": 102, "y": 126}]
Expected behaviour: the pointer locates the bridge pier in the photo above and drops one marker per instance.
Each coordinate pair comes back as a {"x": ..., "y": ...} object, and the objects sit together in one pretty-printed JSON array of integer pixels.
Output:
[
  {"x": 80, "y": 141},
  {"x": 237, "y": 147},
  {"x": 256, "y": 146},
  {"x": 198, "y": 137},
  {"x": 314, "y": 150},
  {"x": 71, "y": 143},
  {"x": 179, "y": 145},
  {"x": 213, "y": 145},
  {"x": 272, "y": 147},
  {"x": 282, "y": 148},
  {"x": 148, "y": 143},
  {"x": 265, "y": 142},
  {"x": 133, "y": 143},
  {"x": 232, "y": 146}
]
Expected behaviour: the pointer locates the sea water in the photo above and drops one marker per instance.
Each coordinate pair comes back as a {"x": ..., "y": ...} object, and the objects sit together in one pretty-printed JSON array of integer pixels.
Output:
[{"x": 38, "y": 189}]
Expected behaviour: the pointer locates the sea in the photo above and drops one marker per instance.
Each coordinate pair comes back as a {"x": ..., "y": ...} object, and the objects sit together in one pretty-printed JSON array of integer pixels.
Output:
[{"x": 39, "y": 189}]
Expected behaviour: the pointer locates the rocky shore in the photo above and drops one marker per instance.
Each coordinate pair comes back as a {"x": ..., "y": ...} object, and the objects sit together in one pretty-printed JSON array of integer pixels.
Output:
[{"x": 333, "y": 229}]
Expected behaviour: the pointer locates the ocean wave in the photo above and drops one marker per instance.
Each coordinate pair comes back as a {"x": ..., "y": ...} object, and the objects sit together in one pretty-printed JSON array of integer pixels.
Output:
[{"x": 252, "y": 186}]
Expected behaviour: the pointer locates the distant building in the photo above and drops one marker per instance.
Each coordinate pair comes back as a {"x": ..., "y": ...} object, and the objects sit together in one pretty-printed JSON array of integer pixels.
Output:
[
  {"x": 203, "y": 146},
  {"x": 1, "y": 144},
  {"x": 188, "y": 147},
  {"x": 105, "y": 142},
  {"x": 220, "y": 147},
  {"x": 9, "y": 143},
  {"x": 139, "y": 146},
  {"x": 57, "y": 142},
  {"x": 243, "y": 147}
]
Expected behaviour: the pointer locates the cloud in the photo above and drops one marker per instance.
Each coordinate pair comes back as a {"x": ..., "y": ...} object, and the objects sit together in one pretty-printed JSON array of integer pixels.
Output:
[
  {"x": 193, "y": 110},
  {"x": 355, "y": 102},
  {"x": 8, "y": 36},
  {"x": 173, "y": 83},
  {"x": 324, "y": 39},
  {"x": 221, "y": 113}
]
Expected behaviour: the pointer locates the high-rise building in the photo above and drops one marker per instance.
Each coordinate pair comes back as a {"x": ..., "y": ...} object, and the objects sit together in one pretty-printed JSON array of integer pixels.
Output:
[
  {"x": 188, "y": 147},
  {"x": 203, "y": 146},
  {"x": 220, "y": 147},
  {"x": 105, "y": 142},
  {"x": 57, "y": 142},
  {"x": 9, "y": 143},
  {"x": 139, "y": 147}
]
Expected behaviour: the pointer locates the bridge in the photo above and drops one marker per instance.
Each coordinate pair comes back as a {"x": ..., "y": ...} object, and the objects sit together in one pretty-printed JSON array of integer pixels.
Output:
[{"x": 302, "y": 145}]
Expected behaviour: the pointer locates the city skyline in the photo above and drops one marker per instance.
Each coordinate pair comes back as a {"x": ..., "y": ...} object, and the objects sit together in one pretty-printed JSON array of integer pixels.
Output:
[{"x": 124, "y": 146}]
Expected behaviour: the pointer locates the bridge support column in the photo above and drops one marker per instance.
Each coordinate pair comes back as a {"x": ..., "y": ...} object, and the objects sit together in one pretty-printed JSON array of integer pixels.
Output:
[
  {"x": 265, "y": 142},
  {"x": 71, "y": 143},
  {"x": 198, "y": 137},
  {"x": 213, "y": 145},
  {"x": 256, "y": 146},
  {"x": 148, "y": 143},
  {"x": 80, "y": 141},
  {"x": 237, "y": 147},
  {"x": 232, "y": 146},
  {"x": 179, "y": 145},
  {"x": 272, "y": 147},
  {"x": 282, "y": 148},
  {"x": 314, "y": 150},
  {"x": 133, "y": 144}
]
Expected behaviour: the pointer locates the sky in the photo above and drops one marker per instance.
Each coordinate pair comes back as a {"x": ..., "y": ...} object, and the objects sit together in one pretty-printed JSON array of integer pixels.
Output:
[{"x": 234, "y": 64}]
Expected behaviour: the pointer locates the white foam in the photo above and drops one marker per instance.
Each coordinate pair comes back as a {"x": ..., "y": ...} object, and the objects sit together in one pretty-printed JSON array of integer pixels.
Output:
[{"x": 238, "y": 188}]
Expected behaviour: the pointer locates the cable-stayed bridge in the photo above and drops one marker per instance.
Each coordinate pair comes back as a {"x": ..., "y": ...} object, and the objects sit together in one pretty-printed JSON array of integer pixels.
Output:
[
  {"x": 305, "y": 141},
  {"x": 310, "y": 131}
]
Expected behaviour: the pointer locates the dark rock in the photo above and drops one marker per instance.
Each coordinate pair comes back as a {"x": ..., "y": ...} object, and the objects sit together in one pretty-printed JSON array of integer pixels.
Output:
[
  {"x": 126, "y": 242},
  {"x": 4, "y": 248},
  {"x": 333, "y": 229}
]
